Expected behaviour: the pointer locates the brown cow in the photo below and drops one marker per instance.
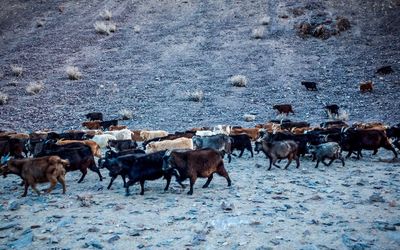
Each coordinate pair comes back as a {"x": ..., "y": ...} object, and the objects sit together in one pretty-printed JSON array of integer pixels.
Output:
[
  {"x": 366, "y": 86},
  {"x": 253, "y": 133},
  {"x": 92, "y": 124},
  {"x": 117, "y": 127},
  {"x": 284, "y": 108},
  {"x": 136, "y": 135},
  {"x": 94, "y": 147},
  {"x": 368, "y": 139},
  {"x": 38, "y": 170},
  {"x": 196, "y": 163}
]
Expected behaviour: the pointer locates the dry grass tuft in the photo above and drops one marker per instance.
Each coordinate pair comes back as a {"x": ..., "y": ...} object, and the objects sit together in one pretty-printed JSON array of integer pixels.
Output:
[
  {"x": 73, "y": 73},
  {"x": 106, "y": 14},
  {"x": 34, "y": 88},
  {"x": 249, "y": 117},
  {"x": 196, "y": 96},
  {"x": 239, "y": 81},
  {"x": 126, "y": 114},
  {"x": 16, "y": 70},
  {"x": 105, "y": 28},
  {"x": 3, "y": 98},
  {"x": 258, "y": 33},
  {"x": 265, "y": 20},
  {"x": 136, "y": 28}
]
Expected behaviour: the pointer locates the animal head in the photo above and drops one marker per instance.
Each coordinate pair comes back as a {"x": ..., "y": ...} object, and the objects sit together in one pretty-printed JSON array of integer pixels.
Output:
[{"x": 167, "y": 161}]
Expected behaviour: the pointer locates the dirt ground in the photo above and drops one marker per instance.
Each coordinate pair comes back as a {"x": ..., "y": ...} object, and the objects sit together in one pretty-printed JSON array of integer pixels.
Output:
[{"x": 335, "y": 207}]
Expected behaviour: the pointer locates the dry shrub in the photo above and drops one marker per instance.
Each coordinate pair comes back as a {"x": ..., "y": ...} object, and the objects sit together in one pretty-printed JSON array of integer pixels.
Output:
[
  {"x": 298, "y": 11},
  {"x": 239, "y": 81},
  {"x": 258, "y": 33},
  {"x": 105, "y": 28},
  {"x": 265, "y": 20},
  {"x": 126, "y": 114},
  {"x": 136, "y": 28},
  {"x": 304, "y": 29},
  {"x": 249, "y": 117},
  {"x": 342, "y": 23},
  {"x": 3, "y": 98},
  {"x": 196, "y": 96},
  {"x": 34, "y": 88},
  {"x": 321, "y": 31},
  {"x": 73, "y": 73},
  {"x": 16, "y": 70},
  {"x": 106, "y": 14}
]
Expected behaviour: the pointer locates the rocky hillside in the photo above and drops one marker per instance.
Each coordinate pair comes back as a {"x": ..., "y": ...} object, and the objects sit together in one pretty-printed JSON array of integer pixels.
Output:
[{"x": 162, "y": 51}]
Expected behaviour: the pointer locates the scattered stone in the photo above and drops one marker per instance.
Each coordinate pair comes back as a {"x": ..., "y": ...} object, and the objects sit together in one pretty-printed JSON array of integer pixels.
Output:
[
  {"x": 134, "y": 233},
  {"x": 35, "y": 226},
  {"x": 384, "y": 226},
  {"x": 86, "y": 200},
  {"x": 94, "y": 243},
  {"x": 8, "y": 225},
  {"x": 376, "y": 198},
  {"x": 113, "y": 238},
  {"x": 25, "y": 240},
  {"x": 14, "y": 205},
  {"x": 93, "y": 230},
  {"x": 65, "y": 222},
  {"x": 227, "y": 207},
  {"x": 198, "y": 238},
  {"x": 140, "y": 246}
]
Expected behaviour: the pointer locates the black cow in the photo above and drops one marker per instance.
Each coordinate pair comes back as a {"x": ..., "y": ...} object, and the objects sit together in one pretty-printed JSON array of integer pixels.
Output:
[
  {"x": 310, "y": 85},
  {"x": 241, "y": 142},
  {"x": 80, "y": 157},
  {"x": 94, "y": 116},
  {"x": 107, "y": 124},
  {"x": 121, "y": 145},
  {"x": 332, "y": 109},
  {"x": 147, "y": 167}
]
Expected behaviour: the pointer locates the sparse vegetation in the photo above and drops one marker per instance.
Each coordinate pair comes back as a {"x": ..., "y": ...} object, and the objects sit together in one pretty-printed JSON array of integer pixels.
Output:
[
  {"x": 3, "y": 98},
  {"x": 136, "y": 28},
  {"x": 239, "y": 81},
  {"x": 106, "y": 14},
  {"x": 126, "y": 114},
  {"x": 249, "y": 117},
  {"x": 265, "y": 20},
  {"x": 105, "y": 28},
  {"x": 73, "y": 73},
  {"x": 196, "y": 96},
  {"x": 39, "y": 23},
  {"x": 34, "y": 88},
  {"x": 258, "y": 33},
  {"x": 16, "y": 70}
]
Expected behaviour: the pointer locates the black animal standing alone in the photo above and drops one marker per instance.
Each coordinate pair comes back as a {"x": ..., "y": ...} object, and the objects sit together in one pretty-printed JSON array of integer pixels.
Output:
[{"x": 310, "y": 85}]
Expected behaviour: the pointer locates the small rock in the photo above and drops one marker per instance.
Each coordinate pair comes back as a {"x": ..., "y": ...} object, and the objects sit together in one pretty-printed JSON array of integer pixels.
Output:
[
  {"x": 140, "y": 246},
  {"x": 227, "y": 207},
  {"x": 376, "y": 198},
  {"x": 94, "y": 243},
  {"x": 113, "y": 238},
  {"x": 8, "y": 225},
  {"x": 93, "y": 230},
  {"x": 14, "y": 205},
  {"x": 23, "y": 241}
]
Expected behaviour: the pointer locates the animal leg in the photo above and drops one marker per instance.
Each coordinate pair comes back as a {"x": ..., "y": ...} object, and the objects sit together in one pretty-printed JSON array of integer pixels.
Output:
[
  {"x": 222, "y": 172},
  {"x": 330, "y": 162},
  {"x": 35, "y": 189},
  {"x": 141, "y": 187},
  {"x": 341, "y": 158},
  {"x": 111, "y": 181},
  {"x": 25, "y": 189},
  {"x": 84, "y": 172},
  {"x": 251, "y": 151},
  {"x": 130, "y": 183},
  {"x": 208, "y": 181},
  {"x": 316, "y": 166},
  {"x": 375, "y": 152},
  {"x": 61, "y": 179},
  {"x": 123, "y": 179},
  {"x": 241, "y": 152},
  {"x": 274, "y": 163},
  {"x": 391, "y": 148},
  {"x": 297, "y": 161},
  {"x": 229, "y": 158},
  {"x": 168, "y": 178},
  {"x": 192, "y": 181},
  {"x": 95, "y": 169},
  {"x": 53, "y": 182},
  {"x": 288, "y": 163}
]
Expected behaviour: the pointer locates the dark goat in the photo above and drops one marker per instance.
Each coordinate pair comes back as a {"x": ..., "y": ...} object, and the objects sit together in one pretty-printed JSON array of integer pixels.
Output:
[
  {"x": 310, "y": 85},
  {"x": 121, "y": 145},
  {"x": 241, "y": 142},
  {"x": 332, "y": 109},
  {"x": 94, "y": 116},
  {"x": 284, "y": 109}
]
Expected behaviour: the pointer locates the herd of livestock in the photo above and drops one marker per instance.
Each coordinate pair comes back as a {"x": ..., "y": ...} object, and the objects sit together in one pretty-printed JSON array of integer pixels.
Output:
[{"x": 46, "y": 156}]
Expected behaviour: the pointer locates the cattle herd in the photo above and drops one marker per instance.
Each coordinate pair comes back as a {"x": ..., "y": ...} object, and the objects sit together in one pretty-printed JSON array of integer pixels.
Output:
[{"x": 140, "y": 155}]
